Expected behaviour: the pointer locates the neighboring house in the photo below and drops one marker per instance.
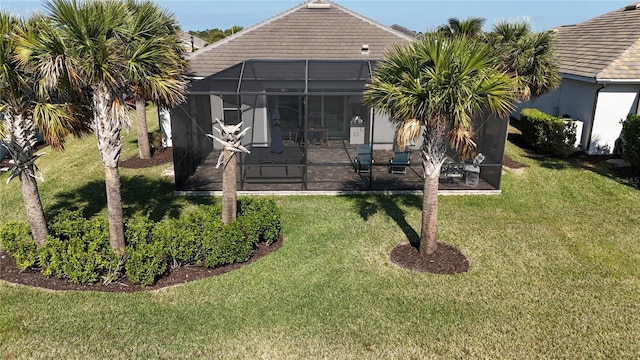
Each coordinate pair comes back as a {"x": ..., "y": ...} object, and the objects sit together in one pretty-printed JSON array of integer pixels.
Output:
[
  {"x": 297, "y": 80},
  {"x": 192, "y": 43},
  {"x": 600, "y": 67},
  {"x": 405, "y": 31}
]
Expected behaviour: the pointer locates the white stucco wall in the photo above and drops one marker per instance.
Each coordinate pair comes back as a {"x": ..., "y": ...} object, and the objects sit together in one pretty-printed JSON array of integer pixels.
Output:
[
  {"x": 545, "y": 103},
  {"x": 216, "y": 113},
  {"x": 383, "y": 131},
  {"x": 614, "y": 103},
  {"x": 599, "y": 106}
]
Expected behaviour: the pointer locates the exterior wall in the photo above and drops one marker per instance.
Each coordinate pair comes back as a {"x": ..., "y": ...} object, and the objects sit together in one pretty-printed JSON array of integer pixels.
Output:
[
  {"x": 383, "y": 131},
  {"x": 547, "y": 103},
  {"x": 574, "y": 99},
  {"x": 577, "y": 101},
  {"x": 216, "y": 113},
  {"x": 614, "y": 103},
  {"x": 255, "y": 115}
]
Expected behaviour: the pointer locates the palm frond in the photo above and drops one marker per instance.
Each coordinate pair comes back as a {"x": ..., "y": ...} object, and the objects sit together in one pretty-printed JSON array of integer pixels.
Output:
[
  {"x": 407, "y": 131},
  {"x": 462, "y": 140},
  {"x": 437, "y": 83}
]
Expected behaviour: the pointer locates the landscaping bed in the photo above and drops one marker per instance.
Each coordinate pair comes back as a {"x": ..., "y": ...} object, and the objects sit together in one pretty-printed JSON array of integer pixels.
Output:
[{"x": 179, "y": 275}]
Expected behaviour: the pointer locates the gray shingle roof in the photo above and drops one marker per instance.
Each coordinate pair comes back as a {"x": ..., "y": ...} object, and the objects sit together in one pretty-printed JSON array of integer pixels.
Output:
[
  {"x": 603, "y": 48},
  {"x": 197, "y": 42},
  {"x": 322, "y": 33}
]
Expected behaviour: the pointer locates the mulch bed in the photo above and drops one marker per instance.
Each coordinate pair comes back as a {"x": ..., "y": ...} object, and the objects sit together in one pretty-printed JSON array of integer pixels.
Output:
[
  {"x": 446, "y": 259},
  {"x": 9, "y": 272},
  {"x": 158, "y": 157},
  {"x": 513, "y": 164}
]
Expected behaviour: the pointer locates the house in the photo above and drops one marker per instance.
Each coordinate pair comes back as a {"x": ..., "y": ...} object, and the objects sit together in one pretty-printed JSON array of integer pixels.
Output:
[
  {"x": 600, "y": 68},
  {"x": 297, "y": 80},
  {"x": 192, "y": 43}
]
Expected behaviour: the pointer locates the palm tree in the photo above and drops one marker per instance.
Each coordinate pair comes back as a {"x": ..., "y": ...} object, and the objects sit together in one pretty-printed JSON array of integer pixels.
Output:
[
  {"x": 471, "y": 27},
  {"x": 102, "y": 51},
  {"x": 28, "y": 109},
  {"x": 157, "y": 31},
  {"x": 230, "y": 136},
  {"x": 527, "y": 56},
  {"x": 437, "y": 87}
]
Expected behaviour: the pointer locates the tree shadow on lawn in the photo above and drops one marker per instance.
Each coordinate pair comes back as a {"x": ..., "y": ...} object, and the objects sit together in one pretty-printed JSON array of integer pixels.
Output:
[
  {"x": 598, "y": 164},
  {"x": 445, "y": 260},
  {"x": 367, "y": 206},
  {"x": 140, "y": 195}
]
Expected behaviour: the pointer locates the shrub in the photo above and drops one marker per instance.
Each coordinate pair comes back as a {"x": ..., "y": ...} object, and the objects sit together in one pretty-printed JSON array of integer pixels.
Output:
[
  {"x": 78, "y": 249},
  {"x": 264, "y": 214},
  {"x": 68, "y": 224},
  {"x": 226, "y": 244},
  {"x": 181, "y": 242},
  {"x": 546, "y": 133},
  {"x": 251, "y": 227},
  {"x": 146, "y": 256},
  {"x": 631, "y": 142},
  {"x": 18, "y": 243}
]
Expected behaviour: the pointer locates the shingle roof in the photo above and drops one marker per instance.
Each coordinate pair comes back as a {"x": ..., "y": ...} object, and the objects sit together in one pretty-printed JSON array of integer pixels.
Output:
[
  {"x": 603, "y": 48},
  {"x": 322, "y": 31},
  {"x": 186, "y": 41},
  {"x": 404, "y": 30}
]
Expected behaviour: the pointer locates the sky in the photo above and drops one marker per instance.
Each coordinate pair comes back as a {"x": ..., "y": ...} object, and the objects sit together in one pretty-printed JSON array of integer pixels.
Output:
[{"x": 417, "y": 15}]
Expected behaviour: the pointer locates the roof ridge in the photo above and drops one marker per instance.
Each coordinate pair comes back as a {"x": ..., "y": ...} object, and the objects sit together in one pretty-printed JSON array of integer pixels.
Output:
[
  {"x": 250, "y": 29},
  {"x": 290, "y": 11},
  {"x": 366, "y": 19},
  {"x": 610, "y": 13},
  {"x": 619, "y": 59}
]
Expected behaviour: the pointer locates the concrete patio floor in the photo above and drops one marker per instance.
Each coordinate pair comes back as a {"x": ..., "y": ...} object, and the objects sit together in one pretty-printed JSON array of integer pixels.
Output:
[{"x": 329, "y": 170}]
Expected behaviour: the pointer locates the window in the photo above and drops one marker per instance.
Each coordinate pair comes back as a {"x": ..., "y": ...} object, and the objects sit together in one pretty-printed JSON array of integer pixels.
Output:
[
  {"x": 327, "y": 112},
  {"x": 230, "y": 109}
]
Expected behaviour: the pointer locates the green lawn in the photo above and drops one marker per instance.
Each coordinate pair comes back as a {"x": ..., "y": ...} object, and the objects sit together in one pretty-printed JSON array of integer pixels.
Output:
[{"x": 554, "y": 274}]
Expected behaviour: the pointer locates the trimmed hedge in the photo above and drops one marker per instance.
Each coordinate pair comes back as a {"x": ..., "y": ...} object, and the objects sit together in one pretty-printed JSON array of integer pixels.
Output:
[
  {"x": 78, "y": 248},
  {"x": 631, "y": 142},
  {"x": 146, "y": 255},
  {"x": 17, "y": 241},
  {"x": 264, "y": 214},
  {"x": 546, "y": 133}
]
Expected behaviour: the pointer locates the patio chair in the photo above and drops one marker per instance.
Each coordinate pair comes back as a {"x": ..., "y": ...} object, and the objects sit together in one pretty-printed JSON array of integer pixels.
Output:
[
  {"x": 398, "y": 164},
  {"x": 472, "y": 171},
  {"x": 363, "y": 161}
]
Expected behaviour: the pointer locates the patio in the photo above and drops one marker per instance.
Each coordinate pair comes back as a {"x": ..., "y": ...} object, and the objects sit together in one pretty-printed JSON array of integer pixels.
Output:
[
  {"x": 307, "y": 119},
  {"x": 329, "y": 169}
]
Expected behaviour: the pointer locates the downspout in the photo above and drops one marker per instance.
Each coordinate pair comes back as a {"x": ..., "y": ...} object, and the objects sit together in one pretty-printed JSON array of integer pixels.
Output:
[
  {"x": 372, "y": 119},
  {"x": 305, "y": 125},
  {"x": 593, "y": 117},
  {"x": 372, "y": 122}
]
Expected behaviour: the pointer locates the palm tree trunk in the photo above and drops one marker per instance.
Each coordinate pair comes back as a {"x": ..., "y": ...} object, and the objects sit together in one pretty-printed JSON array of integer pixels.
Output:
[
  {"x": 22, "y": 135},
  {"x": 433, "y": 155},
  {"x": 107, "y": 127},
  {"x": 33, "y": 206},
  {"x": 429, "y": 230},
  {"x": 229, "y": 188},
  {"x": 114, "y": 208},
  {"x": 144, "y": 150}
]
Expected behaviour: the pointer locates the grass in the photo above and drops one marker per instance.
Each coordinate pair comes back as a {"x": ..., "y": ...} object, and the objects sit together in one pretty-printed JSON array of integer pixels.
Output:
[{"x": 554, "y": 274}]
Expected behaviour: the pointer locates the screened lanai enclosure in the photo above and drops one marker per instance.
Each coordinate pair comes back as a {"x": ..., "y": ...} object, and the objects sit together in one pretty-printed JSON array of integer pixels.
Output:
[{"x": 310, "y": 131}]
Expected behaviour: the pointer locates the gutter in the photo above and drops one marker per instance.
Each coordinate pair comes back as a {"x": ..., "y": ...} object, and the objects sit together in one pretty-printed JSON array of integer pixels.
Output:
[
  {"x": 591, "y": 80},
  {"x": 619, "y": 81},
  {"x": 595, "y": 80}
]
